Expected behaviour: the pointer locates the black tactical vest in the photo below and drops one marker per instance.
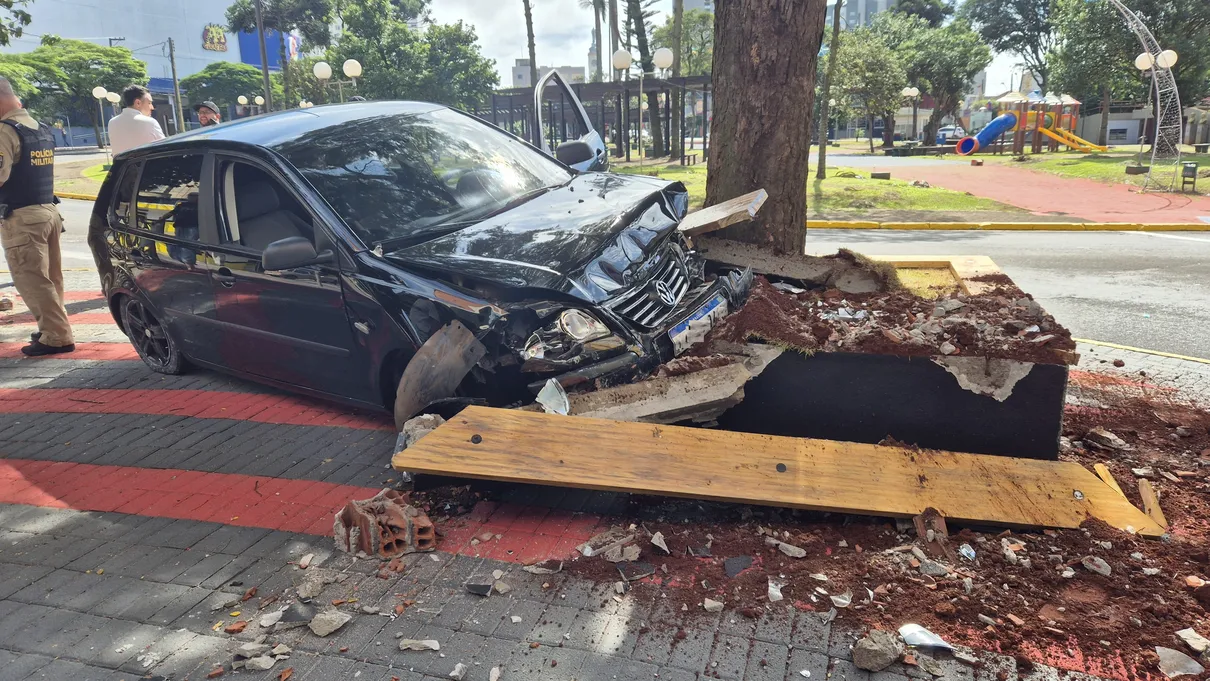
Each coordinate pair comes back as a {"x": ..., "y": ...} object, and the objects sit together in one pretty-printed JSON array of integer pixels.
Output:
[{"x": 31, "y": 180}]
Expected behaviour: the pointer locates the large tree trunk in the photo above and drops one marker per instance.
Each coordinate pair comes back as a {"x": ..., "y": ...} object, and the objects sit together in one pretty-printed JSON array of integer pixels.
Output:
[
  {"x": 654, "y": 109},
  {"x": 825, "y": 106},
  {"x": 764, "y": 70},
  {"x": 888, "y": 130},
  {"x": 1105, "y": 102},
  {"x": 869, "y": 132},
  {"x": 614, "y": 38},
  {"x": 533, "y": 59},
  {"x": 678, "y": 95},
  {"x": 598, "y": 8}
]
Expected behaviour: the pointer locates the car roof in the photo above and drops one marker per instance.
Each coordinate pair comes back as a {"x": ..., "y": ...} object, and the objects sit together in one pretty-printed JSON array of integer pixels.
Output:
[{"x": 269, "y": 130}]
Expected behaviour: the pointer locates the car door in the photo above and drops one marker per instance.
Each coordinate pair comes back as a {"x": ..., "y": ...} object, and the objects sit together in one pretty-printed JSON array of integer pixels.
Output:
[
  {"x": 290, "y": 325},
  {"x": 161, "y": 238},
  {"x": 564, "y": 127}
]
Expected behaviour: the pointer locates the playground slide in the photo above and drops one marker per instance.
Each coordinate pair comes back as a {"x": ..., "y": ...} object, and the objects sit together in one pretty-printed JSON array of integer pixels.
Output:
[
  {"x": 1001, "y": 124},
  {"x": 1071, "y": 140}
]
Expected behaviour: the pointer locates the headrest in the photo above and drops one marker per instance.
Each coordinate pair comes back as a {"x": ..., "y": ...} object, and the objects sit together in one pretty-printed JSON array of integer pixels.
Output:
[{"x": 255, "y": 199}]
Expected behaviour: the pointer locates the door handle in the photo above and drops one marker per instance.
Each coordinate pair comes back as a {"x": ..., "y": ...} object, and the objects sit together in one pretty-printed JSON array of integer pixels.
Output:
[{"x": 224, "y": 277}]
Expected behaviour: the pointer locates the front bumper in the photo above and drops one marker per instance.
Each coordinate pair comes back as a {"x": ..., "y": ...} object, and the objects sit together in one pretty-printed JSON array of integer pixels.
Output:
[{"x": 651, "y": 349}]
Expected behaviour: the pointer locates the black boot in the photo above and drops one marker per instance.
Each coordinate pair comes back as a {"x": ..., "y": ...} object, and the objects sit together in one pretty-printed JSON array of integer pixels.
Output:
[{"x": 37, "y": 349}]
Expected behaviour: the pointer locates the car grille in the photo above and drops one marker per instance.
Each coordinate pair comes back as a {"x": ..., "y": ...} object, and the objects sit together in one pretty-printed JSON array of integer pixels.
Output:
[{"x": 644, "y": 305}]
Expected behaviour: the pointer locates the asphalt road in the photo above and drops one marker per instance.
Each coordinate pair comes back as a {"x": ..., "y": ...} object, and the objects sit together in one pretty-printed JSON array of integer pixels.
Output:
[
  {"x": 1146, "y": 290},
  {"x": 1142, "y": 289}
]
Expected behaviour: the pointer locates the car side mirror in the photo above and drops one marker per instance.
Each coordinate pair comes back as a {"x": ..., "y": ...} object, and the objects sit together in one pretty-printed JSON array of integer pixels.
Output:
[
  {"x": 292, "y": 252},
  {"x": 573, "y": 152}
]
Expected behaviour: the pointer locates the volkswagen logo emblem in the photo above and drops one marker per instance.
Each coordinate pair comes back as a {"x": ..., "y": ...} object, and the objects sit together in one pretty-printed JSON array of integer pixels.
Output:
[{"x": 664, "y": 292}]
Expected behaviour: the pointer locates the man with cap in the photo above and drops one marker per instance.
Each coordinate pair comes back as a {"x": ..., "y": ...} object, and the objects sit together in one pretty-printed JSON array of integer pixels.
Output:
[
  {"x": 207, "y": 113},
  {"x": 30, "y": 224}
]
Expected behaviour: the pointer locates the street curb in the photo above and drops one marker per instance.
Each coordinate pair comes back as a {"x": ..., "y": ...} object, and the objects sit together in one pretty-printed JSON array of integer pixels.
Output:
[
  {"x": 79, "y": 197},
  {"x": 1145, "y": 351},
  {"x": 1004, "y": 226}
]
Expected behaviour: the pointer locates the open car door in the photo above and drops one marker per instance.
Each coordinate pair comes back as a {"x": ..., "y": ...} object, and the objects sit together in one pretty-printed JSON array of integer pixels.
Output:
[{"x": 564, "y": 128}]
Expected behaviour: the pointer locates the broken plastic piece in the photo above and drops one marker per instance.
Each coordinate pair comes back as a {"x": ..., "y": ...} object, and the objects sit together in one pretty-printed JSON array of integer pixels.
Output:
[
  {"x": 1174, "y": 663},
  {"x": 553, "y": 398},
  {"x": 917, "y": 636},
  {"x": 383, "y": 526}
]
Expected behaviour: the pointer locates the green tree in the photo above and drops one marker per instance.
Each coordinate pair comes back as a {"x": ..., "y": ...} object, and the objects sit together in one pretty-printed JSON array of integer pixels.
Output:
[
  {"x": 309, "y": 18},
  {"x": 935, "y": 12},
  {"x": 1093, "y": 58},
  {"x": 869, "y": 72},
  {"x": 67, "y": 70},
  {"x": 23, "y": 76},
  {"x": 222, "y": 82},
  {"x": 697, "y": 41},
  {"x": 1183, "y": 26},
  {"x": 1022, "y": 27},
  {"x": 13, "y": 20},
  {"x": 951, "y": 56},
  {"x": 904, "y": 33}
]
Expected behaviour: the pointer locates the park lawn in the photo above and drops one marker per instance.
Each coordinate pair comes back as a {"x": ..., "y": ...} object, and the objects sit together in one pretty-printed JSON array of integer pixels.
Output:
[
  {"x": 1102, "y": 167},
  {"x": 79, "y": 177},
  {"x": 842, "y": 194}
]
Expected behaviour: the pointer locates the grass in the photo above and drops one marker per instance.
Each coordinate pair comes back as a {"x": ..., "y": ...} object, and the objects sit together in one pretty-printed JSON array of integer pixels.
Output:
[
  {"x": 80, "y": 177},
  {"x": 1103, "y": 167},
  {"x": 928, "y": 283},
  {"x": 842, "y": 194}
]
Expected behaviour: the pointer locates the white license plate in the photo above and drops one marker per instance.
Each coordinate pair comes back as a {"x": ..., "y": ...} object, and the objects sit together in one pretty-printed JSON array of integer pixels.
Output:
[{"x": 694, "y": 329}]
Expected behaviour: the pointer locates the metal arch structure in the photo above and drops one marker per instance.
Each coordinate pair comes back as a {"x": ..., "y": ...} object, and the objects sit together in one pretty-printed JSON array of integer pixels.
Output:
[{"x": 1169, "y": 129}]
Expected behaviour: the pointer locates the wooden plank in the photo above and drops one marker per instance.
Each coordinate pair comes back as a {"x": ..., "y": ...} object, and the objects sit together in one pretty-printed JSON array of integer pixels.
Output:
[
  {"x": 525, "y": 447},
  {"x": 1103, "y": 473},
  {"x": 723, "y": 214},
  {"x": 1151, "y": 503}
]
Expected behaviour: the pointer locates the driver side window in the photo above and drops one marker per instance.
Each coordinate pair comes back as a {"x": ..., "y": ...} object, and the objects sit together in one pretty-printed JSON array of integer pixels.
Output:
[{"x": 256, "y": 210}]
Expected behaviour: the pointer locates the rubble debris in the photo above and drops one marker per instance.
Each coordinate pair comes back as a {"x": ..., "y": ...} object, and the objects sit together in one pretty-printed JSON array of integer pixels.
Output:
[
  {"x": 260, "y": 664},
  {"x": 700, "y": 552},
  {"x": 328, "y": 621},
  {"x": 271, "y": 618},
  {"x": 501, "y": 587},
  {"x": 313, "y": 582},
  {"x": 993, "y": 377},
  {"x": 1103, "y": 439},
  {"x": 632, "y": 571},
  {"x": 235, "y": 627},
  {"x": 712, "y": 605},
  {"x": 967, "y": 551},
  {"x": 930, "y": 665},
  {"x": 987, "y": 620},
  {"x": 933, "y": 569},
  {"x": 479, "y": 588},
  {"x": 1097, "y": 564},
  {"x": 828, "y": 616},
  {"x": 251, "y": 650},
  {"x": 515, "y": 619},
  {"x": 1198, "y": 643},
  {"x": 1174, "y": 663},
  {"x": 383, "y": 526},
  {"x": 916, "y": 636},
  {"x": 459, "y": 672},
  {"x": 876, "y": 651},
  {"x": 842, "y": 600},
  {"x": 788, "y": 549},
  {"x": 628, "y": 553},
  {"x": 297, "y": 615},
  {"x": 305, "y": 561},
  {"x": 658, "y": 540},
  {"x": 736, "y": 564},
  {"x": 722, "y": 215},
  {"x": 417, "y": 427},
  {"x": 546, "y": 567},
  {"x": 415, "y": 644},
  {"x": 553, "y": 398},
  {"x": 494, "y": 674},
  {"x": 775, "y": 590},
  {"x": 616, "y": 537},
  {"x": 280, "y": 649}
]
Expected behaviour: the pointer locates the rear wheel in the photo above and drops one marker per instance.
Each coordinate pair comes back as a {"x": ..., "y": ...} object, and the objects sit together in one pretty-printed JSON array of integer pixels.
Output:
[{"x": 150, "y": 339}]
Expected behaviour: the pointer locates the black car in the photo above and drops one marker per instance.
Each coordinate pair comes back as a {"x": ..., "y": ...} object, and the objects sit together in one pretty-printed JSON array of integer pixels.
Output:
[{"x": 383, "y": 250}]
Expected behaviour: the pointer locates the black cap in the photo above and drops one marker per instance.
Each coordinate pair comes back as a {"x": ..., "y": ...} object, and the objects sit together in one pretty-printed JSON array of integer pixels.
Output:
[{"x": 208, "y": 105}]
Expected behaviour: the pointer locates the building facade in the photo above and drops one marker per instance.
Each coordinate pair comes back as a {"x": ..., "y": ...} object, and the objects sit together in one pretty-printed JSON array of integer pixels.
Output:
[{"x": 520, "y": 72}]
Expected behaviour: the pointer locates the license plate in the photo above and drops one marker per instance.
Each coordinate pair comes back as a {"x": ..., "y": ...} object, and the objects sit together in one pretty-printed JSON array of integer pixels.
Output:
[{"x": 694, "y": 329}]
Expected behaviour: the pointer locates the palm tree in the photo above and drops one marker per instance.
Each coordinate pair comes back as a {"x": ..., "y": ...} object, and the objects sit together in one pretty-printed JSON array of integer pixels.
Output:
[
  {"x": 533, "y": 59},
  {"x": 615, "y": 37},
  {"x": 598, "y": 13}
]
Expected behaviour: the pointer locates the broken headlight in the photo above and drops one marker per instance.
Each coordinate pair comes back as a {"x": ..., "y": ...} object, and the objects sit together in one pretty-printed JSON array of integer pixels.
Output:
[{"x": 554, "y": 341}]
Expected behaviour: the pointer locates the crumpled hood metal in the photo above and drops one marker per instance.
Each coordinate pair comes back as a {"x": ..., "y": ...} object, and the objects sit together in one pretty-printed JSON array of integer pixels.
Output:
[{"x": 588, "y": 239}]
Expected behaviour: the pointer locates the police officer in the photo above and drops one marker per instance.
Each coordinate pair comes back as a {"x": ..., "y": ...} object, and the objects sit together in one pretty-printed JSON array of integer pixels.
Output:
[{"x": 30, "y": 223}]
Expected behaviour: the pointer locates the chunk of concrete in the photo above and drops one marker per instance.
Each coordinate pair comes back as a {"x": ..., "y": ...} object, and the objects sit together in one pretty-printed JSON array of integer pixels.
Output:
[
  {"x": 876, "y": 651},
  {"x": 328, "y": 621}
]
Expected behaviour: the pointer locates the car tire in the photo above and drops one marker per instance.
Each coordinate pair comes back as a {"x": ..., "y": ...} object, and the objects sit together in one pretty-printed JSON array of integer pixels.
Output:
[{"x": 150, "y": 339}]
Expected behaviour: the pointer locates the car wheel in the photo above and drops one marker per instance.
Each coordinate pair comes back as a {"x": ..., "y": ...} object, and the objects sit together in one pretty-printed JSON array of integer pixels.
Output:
[{"x": 150, "y": 339}]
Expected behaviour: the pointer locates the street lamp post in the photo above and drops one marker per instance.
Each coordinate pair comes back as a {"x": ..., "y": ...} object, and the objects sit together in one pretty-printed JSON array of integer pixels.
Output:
[
  {"x": 351, "y": 69},
  {"x": 622, "y": 60},
  {"x": 101, "y": 93},
  {"x": 244, "y": 101},
  {"x": 913, "y": 94}
]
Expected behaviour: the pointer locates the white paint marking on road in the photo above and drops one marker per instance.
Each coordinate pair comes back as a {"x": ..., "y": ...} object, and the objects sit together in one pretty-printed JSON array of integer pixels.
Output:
[{"x": 1169, "y": 236}]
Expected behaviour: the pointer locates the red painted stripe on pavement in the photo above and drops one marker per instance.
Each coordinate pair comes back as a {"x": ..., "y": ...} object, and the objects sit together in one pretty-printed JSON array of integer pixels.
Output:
[
  {"x": 78, "y": 318},
  {"x": 98, "y": 351},
  {"x": 279, "y": 409},
  {"x": 76, "y": 296}
]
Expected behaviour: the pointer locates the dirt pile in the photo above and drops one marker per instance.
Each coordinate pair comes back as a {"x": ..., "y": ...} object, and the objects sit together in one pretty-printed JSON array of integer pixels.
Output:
[{"x": 1001, "y": 323}]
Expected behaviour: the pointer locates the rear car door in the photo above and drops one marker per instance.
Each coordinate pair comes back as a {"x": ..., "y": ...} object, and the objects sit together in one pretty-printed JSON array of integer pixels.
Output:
[
  {"x": 564, "y": 127},
  {"x": 289, "y": 325}
]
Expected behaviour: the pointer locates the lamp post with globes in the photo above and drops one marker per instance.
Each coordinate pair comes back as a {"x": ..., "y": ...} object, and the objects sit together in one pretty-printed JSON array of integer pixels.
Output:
[
  {"x": 101, "y": 93},
  {"x": 913, "y": 95},
  {"x": 662, "y": 60},
  {"x": 323, "y": 72},
  {"x": 243, "y": 100}
]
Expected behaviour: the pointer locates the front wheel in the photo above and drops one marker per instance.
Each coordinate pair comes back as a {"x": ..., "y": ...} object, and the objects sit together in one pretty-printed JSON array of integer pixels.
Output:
[{"x": 150, "y": 339}]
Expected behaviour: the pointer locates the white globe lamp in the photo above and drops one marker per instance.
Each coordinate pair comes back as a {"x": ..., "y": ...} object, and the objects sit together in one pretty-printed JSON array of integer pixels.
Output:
[
  {"x": 1166, "y": 59},
  {"x": 99, "y": 92},
  {"x": 112, "y": 97},
  {"x": 322, "y": 70},
  {"x": 351, "y": 68},
  {"x": 243, "y": 100},
  {"x": 260, "y": 101},
  {"x": 1144, "y": 61},
  {"x": 622, "y": 60},
  {"x": 663, "y": 58}
]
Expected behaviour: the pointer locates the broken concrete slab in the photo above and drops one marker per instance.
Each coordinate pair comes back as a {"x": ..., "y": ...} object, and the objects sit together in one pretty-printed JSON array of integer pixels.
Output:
[
  {"x": 312, "y": 582},
  {"x": 712, "y": 605},
  {"x": 722, "y": 215},
  {"x": 297, "y": 615},
  {"x": 613, "y": 538},
  {"x": 736, "y": 564},
  {"x": 876, "y": 651},
  {"x": 635, "y": 571},
  {"x": 260, "y": 664},
  {"x": 459, "y": 672},
  {"x": 416, "y": 644},
  {"x": 383, "y": 526},
  {"x": 1097, "y": 564},
  {"x": 1099, "y": 437},
  {"x": 1174, "y": 663},
  {"x": 994, "y": 378},
  {"x": 629, "y": 553},
  {"x": 658, "y": 540},
  {"x": 328, "y": 621},
  {"x": 546, "y": 567},
  {"x": 1196, "y": 642}
]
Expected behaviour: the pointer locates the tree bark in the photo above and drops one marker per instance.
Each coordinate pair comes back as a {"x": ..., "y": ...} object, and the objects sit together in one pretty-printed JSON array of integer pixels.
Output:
[
  {"x": 821, "y": 172},
  {"x": 678, "y": 94},
  {"x": 888, "y": 130},
  {"x": 869, "y": 132},
  {"x": 764, "y": 87},
  {"x": 533, "y": 59},
  {"x": 1106, "y": 96}
]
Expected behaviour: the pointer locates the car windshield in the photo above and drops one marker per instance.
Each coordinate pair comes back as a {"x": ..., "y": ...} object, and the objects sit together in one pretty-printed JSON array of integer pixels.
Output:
[{"x": 408, "y": 178}]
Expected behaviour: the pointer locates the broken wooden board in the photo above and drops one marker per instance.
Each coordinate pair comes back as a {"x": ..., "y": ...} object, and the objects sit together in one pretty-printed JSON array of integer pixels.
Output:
[
  {"x": 1103, "y": 473},
  {"x": 724, "y": 214},
  {"x": 845, "y": 477},
  {"x": 1151, "y": 503}
]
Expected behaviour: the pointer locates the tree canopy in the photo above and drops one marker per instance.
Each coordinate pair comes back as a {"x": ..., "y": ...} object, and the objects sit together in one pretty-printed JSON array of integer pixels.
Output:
[
  {"x": 869, "y": 71},
  {"x": 697, "y": 41},
  {"x": 13, "y": 19},
  {"x": 222, "y": 82},
  {"x": 65, "y": 71},
  {"x": 1022, "y": 27},
  {"x": 950, "y": 58},
  {"x": 935, "y": 12}
]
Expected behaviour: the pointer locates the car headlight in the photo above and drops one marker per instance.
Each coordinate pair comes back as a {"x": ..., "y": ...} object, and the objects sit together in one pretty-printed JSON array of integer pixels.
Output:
[{"x": 581, "y": 326}]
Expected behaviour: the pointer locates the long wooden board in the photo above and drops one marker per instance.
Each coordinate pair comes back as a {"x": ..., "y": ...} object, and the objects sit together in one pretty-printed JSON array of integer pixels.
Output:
[
  {"x": 723, "y": 214},
  {"x": 526, "y": 447}
]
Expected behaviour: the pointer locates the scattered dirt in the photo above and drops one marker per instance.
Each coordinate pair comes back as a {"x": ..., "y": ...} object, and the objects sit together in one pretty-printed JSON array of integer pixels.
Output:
[
  {"x": 691, "y": 364},
  {"x": 1002, "y": 323}
]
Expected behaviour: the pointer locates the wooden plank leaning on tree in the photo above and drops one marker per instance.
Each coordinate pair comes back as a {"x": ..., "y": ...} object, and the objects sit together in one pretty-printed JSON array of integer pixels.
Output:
[
  {"x": 525, "y": 447},
  {"x": 724, "y": 214}
]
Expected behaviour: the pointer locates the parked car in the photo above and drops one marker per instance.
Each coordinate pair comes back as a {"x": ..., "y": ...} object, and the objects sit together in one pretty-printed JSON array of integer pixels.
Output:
[
  {"x": 321, "y": 250},
  {"x": 950, "y": 133}
]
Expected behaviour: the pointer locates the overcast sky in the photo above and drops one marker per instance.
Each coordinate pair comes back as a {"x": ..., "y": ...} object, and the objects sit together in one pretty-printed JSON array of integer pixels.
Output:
[{"x": 563, "y": 33}]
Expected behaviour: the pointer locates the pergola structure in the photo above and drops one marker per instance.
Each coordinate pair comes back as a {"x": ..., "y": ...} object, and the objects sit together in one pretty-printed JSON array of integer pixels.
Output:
[{"x": 612, "y": 111}]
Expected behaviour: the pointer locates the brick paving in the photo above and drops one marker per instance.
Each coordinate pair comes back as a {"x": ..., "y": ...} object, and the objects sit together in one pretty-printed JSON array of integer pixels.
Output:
[{"x": 135, "y": 509}]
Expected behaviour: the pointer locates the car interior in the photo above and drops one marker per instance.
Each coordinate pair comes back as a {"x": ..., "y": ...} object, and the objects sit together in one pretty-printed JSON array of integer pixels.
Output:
[{"x": 258, "y": 210}]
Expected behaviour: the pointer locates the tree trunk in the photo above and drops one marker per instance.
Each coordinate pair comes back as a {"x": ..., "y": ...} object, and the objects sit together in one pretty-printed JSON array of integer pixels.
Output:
[
  {"x": 648, "y": 66},
  {"x": 533, "y": 59},
  {"x": 97, "y": 122},
  {"x": 1105, "y": 101},
  {"x": 678, "y": 95},
  {"x": 764, "y": 67},
  {"x": 933, "y": 124},
  {"x": 284, "y": 64},
  {"x": 614, "y": 38},
  {"x": 597, "y": 8},
  {"x": 824, "y": 106},
  {"x": 869, "y": 132},
  {"x": 888, "y": 130}
]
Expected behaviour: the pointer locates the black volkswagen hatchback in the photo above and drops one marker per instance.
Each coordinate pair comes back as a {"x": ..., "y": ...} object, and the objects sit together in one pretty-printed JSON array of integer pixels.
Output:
[{"x": 397, "y": 255}]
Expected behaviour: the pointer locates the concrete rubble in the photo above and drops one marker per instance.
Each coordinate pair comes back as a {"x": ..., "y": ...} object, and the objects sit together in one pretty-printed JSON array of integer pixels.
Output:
[
  {"x": 877, "y": 651},
  {"x": 415, "y": 644},
  {"x": 328, "y": 621},
  {"x": 614, "y": 538},
  {"x": 384, "y": 526}
]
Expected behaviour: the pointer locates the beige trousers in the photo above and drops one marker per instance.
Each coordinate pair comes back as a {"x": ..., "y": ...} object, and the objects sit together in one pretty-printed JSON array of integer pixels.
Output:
[{"x": 30, "y": 237}]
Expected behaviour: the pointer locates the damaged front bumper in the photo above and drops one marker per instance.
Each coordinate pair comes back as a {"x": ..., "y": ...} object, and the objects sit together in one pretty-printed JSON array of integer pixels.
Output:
[{"x": 613, "y": 360}]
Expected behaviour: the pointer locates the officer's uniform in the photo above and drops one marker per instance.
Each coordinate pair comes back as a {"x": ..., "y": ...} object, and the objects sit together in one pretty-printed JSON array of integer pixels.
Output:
[{"x": 30, "y": 224}]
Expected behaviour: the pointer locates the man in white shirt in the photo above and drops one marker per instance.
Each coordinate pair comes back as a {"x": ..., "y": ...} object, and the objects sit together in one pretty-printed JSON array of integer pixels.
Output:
[{"x": 134, "y": 126}]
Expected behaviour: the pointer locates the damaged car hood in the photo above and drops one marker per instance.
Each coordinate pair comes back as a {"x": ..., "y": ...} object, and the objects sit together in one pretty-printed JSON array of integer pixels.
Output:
[{"x": 588, "y": 238}]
